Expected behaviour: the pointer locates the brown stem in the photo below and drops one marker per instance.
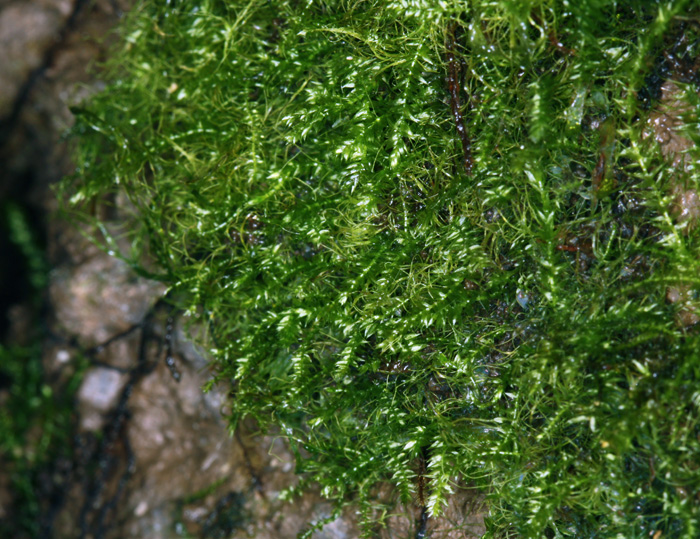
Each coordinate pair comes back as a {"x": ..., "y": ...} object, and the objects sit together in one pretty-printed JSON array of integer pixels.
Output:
[{"x": 453, "y": 76}]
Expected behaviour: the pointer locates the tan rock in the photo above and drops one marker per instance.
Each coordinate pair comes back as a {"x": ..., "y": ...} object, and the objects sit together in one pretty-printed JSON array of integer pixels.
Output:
[{"x": 101, "y": 298}]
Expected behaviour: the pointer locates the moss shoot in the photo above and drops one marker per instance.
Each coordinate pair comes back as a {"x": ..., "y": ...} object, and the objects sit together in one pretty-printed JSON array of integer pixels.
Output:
[{"x": 517, "y": 310}]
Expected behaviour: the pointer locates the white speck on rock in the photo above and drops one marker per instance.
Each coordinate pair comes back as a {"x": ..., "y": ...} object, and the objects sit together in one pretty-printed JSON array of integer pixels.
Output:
[
  {"x": 101, "y": 387},
  {"x": 141, "y": 508},
  {"x": 97, "y": 395},
  {"x": 209, "y": 461}
]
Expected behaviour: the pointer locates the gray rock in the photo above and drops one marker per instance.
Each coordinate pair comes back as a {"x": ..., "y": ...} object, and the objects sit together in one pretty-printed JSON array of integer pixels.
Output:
[{"x": 27, "y": 31}]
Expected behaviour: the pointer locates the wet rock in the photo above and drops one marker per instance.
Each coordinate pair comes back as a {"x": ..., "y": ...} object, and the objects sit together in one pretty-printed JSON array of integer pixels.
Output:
[
  {"x": 27, "y": 31},
  {"x": 100, "y": 298},
  {"x": 686, "y": 205},
  {"x": 685, "y": 297},
  {"x": 174, "y": 427},
  {"x": 462, "y": 518},
  {"x": 665, "y": 123},
  {"x": 119, "y": 353},
  {"x": 56, "y": 78}
]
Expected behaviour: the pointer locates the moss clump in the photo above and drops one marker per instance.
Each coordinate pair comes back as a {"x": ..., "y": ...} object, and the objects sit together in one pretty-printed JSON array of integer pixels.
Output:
[{"x": 297, "y": 179}]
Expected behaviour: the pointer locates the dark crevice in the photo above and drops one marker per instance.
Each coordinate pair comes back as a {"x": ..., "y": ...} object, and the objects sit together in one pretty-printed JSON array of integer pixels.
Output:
[
  {"x": 423, "y": 493},
  {"x": 106, "y": 459},
  {"x": 422, "y": 523},
  {"x": 254, "y": 476},
  {"x": 104, "y": 464}
]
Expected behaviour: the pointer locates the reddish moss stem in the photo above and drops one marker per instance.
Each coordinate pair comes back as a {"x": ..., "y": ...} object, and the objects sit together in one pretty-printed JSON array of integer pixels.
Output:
[{"x": 453, "y": 76}]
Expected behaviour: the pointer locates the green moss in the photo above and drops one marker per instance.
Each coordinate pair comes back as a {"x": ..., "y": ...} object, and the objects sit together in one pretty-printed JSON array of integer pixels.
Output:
[
  {"x": 297, "y": 180},
  {"x": 35, "y": 420},
  {"x": 35, "y": 426}
]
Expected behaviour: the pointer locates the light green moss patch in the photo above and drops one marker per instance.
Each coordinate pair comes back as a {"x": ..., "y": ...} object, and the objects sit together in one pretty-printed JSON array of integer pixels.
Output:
[{"x": 297, "y": 180}]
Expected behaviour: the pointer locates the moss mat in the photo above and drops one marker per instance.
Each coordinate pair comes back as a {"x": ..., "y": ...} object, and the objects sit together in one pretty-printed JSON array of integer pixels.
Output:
[{"x": 431, "y": 241}]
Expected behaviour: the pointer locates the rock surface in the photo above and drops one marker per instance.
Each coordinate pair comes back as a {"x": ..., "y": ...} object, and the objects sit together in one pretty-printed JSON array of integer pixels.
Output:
[
  {"x": 665, "y": 124},
  {"x": 28, "y": 30}
]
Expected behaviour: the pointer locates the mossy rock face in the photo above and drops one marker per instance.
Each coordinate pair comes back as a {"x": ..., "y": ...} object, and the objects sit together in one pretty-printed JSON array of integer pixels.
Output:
[{"x": 517, "y": 309}]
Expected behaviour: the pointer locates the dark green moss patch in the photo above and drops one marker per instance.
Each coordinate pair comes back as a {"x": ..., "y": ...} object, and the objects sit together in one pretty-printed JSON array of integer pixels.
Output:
[{"x": 297, "y": 179}]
